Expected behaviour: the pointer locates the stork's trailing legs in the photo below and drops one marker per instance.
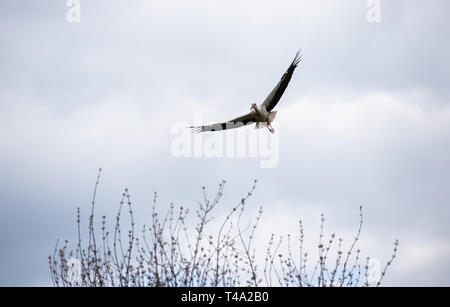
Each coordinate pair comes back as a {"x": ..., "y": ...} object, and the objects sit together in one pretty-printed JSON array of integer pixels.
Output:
[{"x": 269, "y": 126}]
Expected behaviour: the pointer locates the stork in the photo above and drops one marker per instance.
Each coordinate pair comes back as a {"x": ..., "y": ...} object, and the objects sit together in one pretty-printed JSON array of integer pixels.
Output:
[{"x": 261, "y": 114}]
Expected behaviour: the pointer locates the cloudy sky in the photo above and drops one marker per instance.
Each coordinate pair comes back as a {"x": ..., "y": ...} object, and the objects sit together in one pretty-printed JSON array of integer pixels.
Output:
[{"x": 365, "y": 120}]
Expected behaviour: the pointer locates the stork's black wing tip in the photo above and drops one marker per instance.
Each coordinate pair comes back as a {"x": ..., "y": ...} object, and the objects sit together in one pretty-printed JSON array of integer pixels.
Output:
[
  {"x": 196, "y": 129},
  {"x": 297, "y": 58}
]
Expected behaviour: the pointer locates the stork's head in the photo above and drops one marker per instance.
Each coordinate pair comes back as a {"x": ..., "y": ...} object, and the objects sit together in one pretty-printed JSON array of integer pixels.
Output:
[{"x": 253, "y": 107}]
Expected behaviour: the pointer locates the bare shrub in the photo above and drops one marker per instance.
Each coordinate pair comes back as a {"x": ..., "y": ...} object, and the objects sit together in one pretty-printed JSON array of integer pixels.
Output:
[{"x": 169, "y": 253}]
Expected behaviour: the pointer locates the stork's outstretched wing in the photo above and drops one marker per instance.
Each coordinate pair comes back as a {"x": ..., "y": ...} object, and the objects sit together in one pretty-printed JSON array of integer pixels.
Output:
[
  {"x": 275, "y": 95},
  {"x": 234, "y": 123}
]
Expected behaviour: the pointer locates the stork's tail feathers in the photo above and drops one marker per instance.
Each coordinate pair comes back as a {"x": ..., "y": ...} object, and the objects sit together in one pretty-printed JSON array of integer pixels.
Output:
[
  {"x": 272, "y": 116},
  {"x": 264, "y": 124}
]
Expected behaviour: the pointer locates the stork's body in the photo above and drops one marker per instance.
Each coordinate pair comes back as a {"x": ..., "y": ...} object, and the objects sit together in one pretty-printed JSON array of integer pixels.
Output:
[{"x": 261, "y": 114}]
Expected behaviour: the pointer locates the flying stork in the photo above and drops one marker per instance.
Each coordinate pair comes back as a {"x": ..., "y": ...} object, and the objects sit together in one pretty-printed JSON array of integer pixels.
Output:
[{"x": 261, "y": 114}]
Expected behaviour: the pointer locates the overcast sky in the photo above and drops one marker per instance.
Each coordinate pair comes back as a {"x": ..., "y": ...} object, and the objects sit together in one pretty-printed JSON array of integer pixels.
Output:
[{"x": 364, "y": 121}]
